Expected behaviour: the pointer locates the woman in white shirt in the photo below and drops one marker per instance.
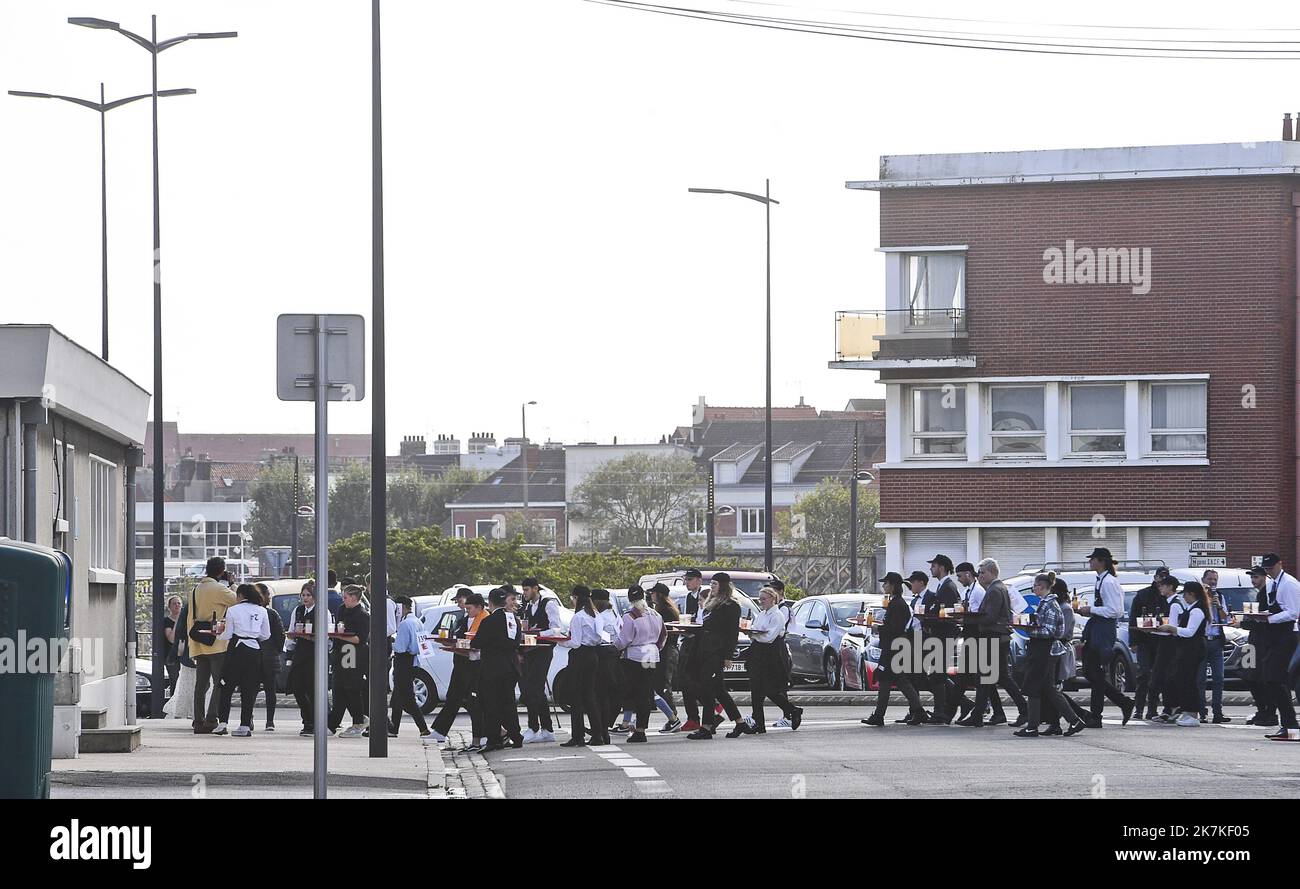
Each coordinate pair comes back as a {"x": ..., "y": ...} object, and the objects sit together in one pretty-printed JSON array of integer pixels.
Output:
[
  {"x": 763, "y": 664},
  {"x": 1188, "y": 629},
  {"x": 584, "y": 639},
  {"x": 246, "y": 625}
]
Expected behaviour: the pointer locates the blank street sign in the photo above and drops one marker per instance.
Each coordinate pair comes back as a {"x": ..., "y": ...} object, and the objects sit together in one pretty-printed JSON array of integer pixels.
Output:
[{"x": 295, "y": 361}]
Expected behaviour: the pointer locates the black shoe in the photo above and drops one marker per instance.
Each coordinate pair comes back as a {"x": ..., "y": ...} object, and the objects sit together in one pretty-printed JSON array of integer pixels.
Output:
[
  {"x": 1053, "y": 731},
  {"x": 875, "y": 720},
  {"x": 307, "y": 731},
  {"x": 997, "y": 720},
  {"x": 498, "y": 744},
  {"x": 965, "y": 710},
  {"x": 1127, "y": 709},
  {"x": 936, "y": 719},
  {"x": 1205, "y": 717},
  {"x": 1279, "y": 735},
  {"x": 796, "y": 719},
  {"x": 574, "y": 742},
  {"x": 636, "y": 738},
  {"x": 1026, "y": 733},
  {"x": 1074, "y": 729},
  {"x": 701, "y": 735},
  {"x": 1219, "y": 719},
  {"x": 1262, "y": 720},
  {"x": 517, "y": 742},
  {"x": 908, "y": 720},
  {"x": 742, "y": 728},
  {"x": 1020, "y": 721}
]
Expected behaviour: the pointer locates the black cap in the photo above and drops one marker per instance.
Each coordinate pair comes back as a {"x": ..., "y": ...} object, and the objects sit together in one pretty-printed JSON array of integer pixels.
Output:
[
  {"x": 635, "y": 594},
  {"x": 1270, "y": 560},
  {"x": 721, "y": 577},
  {"x": 1162, "y": 570},
  {"x": 529, "y": 581},
  {"x": 580, "y": 590},
  {"x": 600, "y": 595},
  {"x": 1257, "y": 572},
  {"x": 918, "y": 575},
  {"x": 694, "y": 572},
  {"x": 498, "y": 595},
  {"x": 1101, "y": 553},
  {"x": 893, "y": 577},
  {"x": 943, "y": 560},
  {"x": 777, "y": 584},
  {"x": 661, "y": 588},
  {"x": 965, "y": 566}
]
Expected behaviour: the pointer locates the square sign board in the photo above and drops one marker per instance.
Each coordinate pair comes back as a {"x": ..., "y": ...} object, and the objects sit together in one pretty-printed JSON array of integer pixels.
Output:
[{"x": 345, "y": 356}]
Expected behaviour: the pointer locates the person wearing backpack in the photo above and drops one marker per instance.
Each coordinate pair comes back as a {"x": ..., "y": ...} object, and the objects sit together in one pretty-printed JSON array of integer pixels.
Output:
[{"x": 208, "y": 604}]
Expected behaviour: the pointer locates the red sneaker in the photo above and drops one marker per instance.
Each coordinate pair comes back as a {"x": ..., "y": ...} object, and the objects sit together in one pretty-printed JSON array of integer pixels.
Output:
[
  {"x": 691, "y": 725},
  {"x": 717, "y": 709}
]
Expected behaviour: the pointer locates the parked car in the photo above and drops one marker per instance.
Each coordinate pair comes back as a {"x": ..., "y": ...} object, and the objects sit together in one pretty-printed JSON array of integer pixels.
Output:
[
  {"x": 448, "y": 596},
  {"x": 747, "y": 582},
  {"x": 816, "y": 630},
  {"x": 144, "y": 687},
  {"x": 859, "y": 659}
]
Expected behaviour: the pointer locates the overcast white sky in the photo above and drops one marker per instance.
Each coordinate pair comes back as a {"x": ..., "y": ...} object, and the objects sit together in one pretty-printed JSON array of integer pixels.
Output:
[{"x": 540, "y": 240}]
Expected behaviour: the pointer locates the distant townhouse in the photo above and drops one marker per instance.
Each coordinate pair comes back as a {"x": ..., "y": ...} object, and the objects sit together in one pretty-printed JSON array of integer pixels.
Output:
[{"x": 1086, "y": 347}]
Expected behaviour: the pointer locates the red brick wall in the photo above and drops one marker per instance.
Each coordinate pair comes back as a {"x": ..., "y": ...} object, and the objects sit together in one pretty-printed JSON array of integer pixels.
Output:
[{"x": 1222, "y": 302}]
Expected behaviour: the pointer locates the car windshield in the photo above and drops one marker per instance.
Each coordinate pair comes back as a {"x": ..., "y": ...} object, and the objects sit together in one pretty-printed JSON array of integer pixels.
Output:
[
  {"x": 750, "y": 588},
  {"x": 842, "y": 612},
  {"x": 284, "y": 606},
  {"x": 1234, "y": 597}
]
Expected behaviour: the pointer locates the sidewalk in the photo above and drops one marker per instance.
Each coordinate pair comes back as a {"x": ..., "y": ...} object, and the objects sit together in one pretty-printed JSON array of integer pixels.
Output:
[{"x": 173, "y": 762}]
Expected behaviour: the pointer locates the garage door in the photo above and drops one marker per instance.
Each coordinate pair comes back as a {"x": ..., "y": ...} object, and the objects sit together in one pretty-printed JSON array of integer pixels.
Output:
[
  {"x": 921, "y": 545},
  {"x": 1014, "y": 548},
  {"x": 1169, "y": 544},
  {"x": 1076, "y": 543}
]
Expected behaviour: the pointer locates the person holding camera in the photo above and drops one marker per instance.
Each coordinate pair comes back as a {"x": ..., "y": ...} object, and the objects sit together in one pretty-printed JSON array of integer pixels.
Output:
[{"x": 208, "y": 604}]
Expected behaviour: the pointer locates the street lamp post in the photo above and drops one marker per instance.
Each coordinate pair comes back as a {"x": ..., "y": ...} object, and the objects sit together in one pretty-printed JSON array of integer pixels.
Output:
[
  {"x": 523, "y": 416},
  {"x": 103, "y": 108},
  {"x": 153, "y": 46},
  {"x": 379, "y": 647},
  {"x": 767, "y": 201}
]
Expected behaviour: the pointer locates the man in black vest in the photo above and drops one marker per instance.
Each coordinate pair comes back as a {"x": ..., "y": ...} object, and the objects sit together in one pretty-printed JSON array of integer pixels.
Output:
[
  {"x": 540, "y": 615},
  {"x": 946, "y": 595},
  {"x": 351, "y": 658},
  {"x": 302, "y": 658},
  {"x": 1147, "y": 602},
  {"x": 694, "y": 579},
  {"x": 1265, "y": 712},
  {"x": 498, "y": 640}
]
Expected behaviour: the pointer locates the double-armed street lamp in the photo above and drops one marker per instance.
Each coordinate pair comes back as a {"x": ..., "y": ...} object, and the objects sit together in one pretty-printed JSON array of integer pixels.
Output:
[
  {"x": 767, "y": 201},
  {"x": 154, "y": 46},
  {"x": 103, "y": 107}
]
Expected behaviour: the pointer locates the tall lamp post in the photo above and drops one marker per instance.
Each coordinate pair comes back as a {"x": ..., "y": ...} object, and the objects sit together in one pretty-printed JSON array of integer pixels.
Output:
[
  {"x": 523, "y": 421},
  {"x": 860, "y": 477},
  {"x": 103, "y": 108},
  {"x": 379, "y": 647},
  {"x": 767, "y": 201},
  {"x": 154, "y": 46}
]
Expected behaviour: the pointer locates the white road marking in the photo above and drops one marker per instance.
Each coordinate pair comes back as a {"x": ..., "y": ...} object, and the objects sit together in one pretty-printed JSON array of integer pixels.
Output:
[
  {"x": 641, "y": 773},
  {"x": 652, "y": 787}
]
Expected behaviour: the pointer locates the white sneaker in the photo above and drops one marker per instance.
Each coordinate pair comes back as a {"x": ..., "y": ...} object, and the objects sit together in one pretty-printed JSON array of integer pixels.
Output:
[
  {"x": 781, "y": 723},
  {"x": 529, "y": 736},
  {"x": 542, "y": 737},
  {"x": 242, "y": 732},
  {"x": 221, "y": 729},
  {"x": 437, "y": 736},
  {"x": 1188, "y": 720},
  {"x": 353, "y": 732}
]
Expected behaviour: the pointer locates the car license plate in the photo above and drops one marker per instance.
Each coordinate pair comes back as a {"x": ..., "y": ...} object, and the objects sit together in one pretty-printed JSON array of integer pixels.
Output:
[{"x": 735, "y": 667}]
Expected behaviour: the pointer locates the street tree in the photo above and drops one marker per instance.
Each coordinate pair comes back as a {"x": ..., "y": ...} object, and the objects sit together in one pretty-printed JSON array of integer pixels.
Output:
[
  {"x": 826, "y": 512},
  {"x": 640, "y": 500}
]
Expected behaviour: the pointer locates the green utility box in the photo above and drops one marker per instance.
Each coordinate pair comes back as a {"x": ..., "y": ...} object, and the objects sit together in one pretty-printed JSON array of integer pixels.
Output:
[{"x": 35, "y": 595}]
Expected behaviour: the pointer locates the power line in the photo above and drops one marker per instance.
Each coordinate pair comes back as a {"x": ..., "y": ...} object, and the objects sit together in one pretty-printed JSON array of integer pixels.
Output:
[{"x": 980, "y": 41}]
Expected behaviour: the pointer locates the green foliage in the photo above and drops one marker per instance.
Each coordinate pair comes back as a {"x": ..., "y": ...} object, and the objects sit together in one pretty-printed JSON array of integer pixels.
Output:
[
  {"x": 270, "y": 518},
  {"x": 640, "y": 500},
  {"x": 419, "y": 499},
  {"x": 826, "y": 516},
  {"x": 528, "y": 529},
  {"x": 350, "y": 501}
]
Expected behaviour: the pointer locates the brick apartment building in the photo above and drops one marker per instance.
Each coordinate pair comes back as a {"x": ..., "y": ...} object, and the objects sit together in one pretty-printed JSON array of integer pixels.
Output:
[{"x": 1036, "y": 407}]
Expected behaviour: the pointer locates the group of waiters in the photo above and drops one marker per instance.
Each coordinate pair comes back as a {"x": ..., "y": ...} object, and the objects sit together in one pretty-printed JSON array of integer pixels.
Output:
[
  {"x": 1170, "y": 629},
  {"x": 624, "y": 664}
]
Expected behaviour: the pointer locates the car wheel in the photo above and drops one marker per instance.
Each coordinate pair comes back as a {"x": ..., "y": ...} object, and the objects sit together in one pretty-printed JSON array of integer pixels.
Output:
[
  {"x": 831, "y": 672},
  {"x": 426, "y": 692},
  {"x": 560, "y": 691},
  {"x": 1119, "y": 673}
]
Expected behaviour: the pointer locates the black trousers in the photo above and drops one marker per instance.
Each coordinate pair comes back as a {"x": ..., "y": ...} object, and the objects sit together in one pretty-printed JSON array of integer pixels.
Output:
[
  {"x": 461, "y": 691},
  {"x": 986, "y": 693},
  {"x": 302, "y": 682},
  {"x": 585, "y": 703},
  {"x": 885, "y": 679},
  {"x": 500, "y": 713},
  {"x": 638, "y": 680},
  {"x": 1144, "y": 654},
  {"x": 1189, "y": 655},
  {"x": 403, "y": 700},
  {"x": 686, "y": 673},
  {"x": 711, "y": 688},
  {"x": 609, "y": 683},
  {"x": 349, "y": 691},
  {"x": 269, "y": 678},
  {"x": 1164, "y": 676},
  {"x": 1094, "y": 670},
  {"x": 243, "y": 671},
  {"x": 532, "y": 687},
  {"x": 767, "y": 679},
  {"x": 1040, "y": 683},
  {"x": 1281, "y": 646}
]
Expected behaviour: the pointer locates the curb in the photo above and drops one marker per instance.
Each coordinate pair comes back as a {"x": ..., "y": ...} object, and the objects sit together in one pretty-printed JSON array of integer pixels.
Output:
[{"x": 467, "y": 775}]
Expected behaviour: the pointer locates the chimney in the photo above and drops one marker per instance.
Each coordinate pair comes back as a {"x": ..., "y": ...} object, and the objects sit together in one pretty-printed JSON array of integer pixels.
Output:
[
  {"x": 412, "y": 445},
  {"x": 1287, "y": 135}
]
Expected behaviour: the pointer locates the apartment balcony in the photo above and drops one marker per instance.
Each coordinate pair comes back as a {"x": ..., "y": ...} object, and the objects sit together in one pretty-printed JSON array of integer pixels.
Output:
[{"x": 887, "y": 339}]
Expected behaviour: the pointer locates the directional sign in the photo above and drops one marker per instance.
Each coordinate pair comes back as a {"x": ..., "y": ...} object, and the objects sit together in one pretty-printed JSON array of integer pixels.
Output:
[
  {"x": 1209, "y": 562},
  {"x": 1207, "y": 546}
]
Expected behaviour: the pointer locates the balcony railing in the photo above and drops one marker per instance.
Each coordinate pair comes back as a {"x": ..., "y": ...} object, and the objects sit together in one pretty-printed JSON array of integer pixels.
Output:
[{"x": 900, "y": 334}]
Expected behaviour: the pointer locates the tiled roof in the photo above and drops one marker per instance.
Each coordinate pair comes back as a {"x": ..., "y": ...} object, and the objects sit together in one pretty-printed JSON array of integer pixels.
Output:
[
  {"x": 505, "y": 486},
  {"x": 246, "y": 447}
]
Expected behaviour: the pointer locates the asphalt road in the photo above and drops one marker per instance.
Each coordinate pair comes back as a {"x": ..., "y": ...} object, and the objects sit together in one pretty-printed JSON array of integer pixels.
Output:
[{"x": 833, "y": 755}]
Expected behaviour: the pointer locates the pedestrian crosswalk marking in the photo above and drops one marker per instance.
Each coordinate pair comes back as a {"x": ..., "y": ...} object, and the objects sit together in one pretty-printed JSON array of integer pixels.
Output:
[{"x": 646, "y": 772}]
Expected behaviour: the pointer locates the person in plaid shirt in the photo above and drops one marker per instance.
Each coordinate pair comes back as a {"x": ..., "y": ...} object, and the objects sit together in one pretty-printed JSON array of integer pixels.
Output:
[{"x": 1046, "y": 646}]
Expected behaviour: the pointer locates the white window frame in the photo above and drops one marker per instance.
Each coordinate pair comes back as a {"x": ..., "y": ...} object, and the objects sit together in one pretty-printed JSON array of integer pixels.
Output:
[
  {"x": 1150, "y": 431},
  {"x": 460, "y": 532},
  {"x": 554, "y": 527},
  {"x": 911, "y": 435},
  {"x": 105, "y": 495},
  {"x": 991, "y": 436},
  {"x": 496, "y": 529},
  {"x": 697, "y": 521},
  {"x": 1067, "y": 415},
  {"x": 907, "y": 291},
  {"x": 748, "y": 515}
]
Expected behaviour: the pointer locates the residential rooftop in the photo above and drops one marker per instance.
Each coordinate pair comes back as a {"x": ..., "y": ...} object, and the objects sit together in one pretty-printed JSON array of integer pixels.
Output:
[{"x": 1084, "y": 165}]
